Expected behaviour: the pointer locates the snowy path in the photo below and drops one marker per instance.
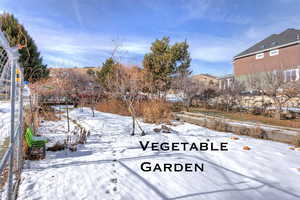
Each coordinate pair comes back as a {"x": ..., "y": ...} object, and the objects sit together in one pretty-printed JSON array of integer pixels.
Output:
[{"x": 108, "y": 166}]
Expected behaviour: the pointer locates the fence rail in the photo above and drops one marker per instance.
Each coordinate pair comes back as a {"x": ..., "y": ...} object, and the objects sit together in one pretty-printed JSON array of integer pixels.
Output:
[{"x": 11, "y": 89}]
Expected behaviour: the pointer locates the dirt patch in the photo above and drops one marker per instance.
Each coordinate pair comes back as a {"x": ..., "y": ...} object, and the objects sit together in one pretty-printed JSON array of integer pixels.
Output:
[{"x": 240, "y": 116}]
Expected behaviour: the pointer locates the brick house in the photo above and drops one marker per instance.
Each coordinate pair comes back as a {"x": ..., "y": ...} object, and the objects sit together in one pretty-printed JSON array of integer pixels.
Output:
[{"x": 276, "y": 52}]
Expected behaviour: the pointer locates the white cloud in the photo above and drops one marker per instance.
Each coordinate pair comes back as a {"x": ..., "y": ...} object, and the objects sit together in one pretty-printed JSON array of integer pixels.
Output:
[
  {"x": 64, "y": 43},
  {"x": 69, "y": 42},
  {"x": 212, "y": 54},
  {"x": 215, "y": 49},
  {"x": 216, "y": 10},
  {"x": 62, "y": 62}
]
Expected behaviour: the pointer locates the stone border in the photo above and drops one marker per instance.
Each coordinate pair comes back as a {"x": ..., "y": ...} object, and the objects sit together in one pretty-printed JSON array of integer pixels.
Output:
[{"x": 260, "y": 131}]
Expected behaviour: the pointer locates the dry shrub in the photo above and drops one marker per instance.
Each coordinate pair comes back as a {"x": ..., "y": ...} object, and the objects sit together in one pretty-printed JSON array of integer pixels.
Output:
[
  {"x": 31, "y": 118},
  {"x": 4, "y": 177},
  {"x": 48, "y": 113},
  {"x": 114, "y": 106},
  {"x": 156, "y": 111},
  {"x": 177, "y": 107},
  {"x": 25, "y": 149}
]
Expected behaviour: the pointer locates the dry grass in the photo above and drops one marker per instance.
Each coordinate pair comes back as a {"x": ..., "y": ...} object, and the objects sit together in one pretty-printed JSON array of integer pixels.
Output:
[
  {"x": 31, "y": 118},
  {"x": 152, "y": 111},
  {"x": 177, "y": 106},
  {"x": 25, "y": 149},
  {"x": 49, "y": 114},
  {"x": 156, "y": 111},
  {"x": 114, "y": 106},
  {"x": 295, "y": 123},
  {"x": 4, "y": 177}
]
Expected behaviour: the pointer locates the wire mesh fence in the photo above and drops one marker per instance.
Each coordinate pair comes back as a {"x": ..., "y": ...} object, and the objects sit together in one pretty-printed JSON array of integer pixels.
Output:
[{"x": 11, "y": 119}]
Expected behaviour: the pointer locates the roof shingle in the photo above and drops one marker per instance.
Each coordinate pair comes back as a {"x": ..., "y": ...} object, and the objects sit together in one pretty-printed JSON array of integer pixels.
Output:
[{"x": 288, "y": 36}]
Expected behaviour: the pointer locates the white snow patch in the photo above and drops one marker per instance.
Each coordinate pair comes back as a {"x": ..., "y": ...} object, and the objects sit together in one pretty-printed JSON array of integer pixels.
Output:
[{"x": 108, "y": 165}]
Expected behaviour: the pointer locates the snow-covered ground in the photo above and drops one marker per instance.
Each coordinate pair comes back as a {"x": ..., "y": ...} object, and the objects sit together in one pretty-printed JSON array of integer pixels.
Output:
[
  {"x": 108, "y": 166},
  {"x": 4, "y": 121}
]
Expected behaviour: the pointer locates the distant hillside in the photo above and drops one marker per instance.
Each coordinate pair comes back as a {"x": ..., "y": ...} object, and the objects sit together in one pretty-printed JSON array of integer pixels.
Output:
[{"x": 79, "y": 70}]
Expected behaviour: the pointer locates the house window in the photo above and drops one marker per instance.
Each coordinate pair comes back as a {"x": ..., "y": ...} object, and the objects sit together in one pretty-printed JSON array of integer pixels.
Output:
[
  {"x": 259, "y": 56},
  {"x": 291, "y": 75},
  {"x": 274, "y": 52}
]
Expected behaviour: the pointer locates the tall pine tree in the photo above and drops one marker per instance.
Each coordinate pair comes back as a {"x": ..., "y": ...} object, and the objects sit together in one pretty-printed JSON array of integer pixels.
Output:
[
  {"x": 107, "y": 72},
  {"x": 165, "y": 62},
  {"x": 30, "y": 58}
]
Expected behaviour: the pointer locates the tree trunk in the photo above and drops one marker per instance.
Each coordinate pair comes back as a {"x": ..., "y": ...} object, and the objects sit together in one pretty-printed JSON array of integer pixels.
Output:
[
  {"x": 68, "y": 118},
  {"x": 133, "y": 125}
]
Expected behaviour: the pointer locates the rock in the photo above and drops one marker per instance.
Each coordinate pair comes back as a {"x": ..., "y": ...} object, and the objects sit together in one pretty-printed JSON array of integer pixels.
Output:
[
  {"x": 234, "y": 138},
  {"x": 290, "y": 115},
  {"x": 166, "y": 129},
  {"x": 156, "y": 130},
  {"x": 280, "y": 116},
  {"x": 56, "y": 147},
  {"x": 247, "y": 148},
  {"x": 73, "y": 148}
]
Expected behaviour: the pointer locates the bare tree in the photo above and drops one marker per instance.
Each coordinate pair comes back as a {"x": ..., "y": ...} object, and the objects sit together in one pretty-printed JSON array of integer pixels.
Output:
[
  {"x": 255, "y": 83},
  {"x": 187, "y": 89},
  {"x": 127, "y": 84},
  {"x": 231, "y": 96},
  {"x": 278, "y": 89}
]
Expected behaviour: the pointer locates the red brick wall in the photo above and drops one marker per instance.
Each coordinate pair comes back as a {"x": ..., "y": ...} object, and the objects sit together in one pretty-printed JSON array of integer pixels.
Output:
[{"x": 288, "y": 57}]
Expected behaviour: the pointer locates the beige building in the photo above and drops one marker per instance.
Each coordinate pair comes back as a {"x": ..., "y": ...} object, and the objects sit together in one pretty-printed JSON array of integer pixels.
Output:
[
  {"x": 225, "y": 82},
  {"x": 207, "y": 79}
]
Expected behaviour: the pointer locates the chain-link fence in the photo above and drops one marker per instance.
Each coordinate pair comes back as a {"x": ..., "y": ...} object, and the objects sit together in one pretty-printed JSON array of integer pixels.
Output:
[{"x": 11, "y": 119}]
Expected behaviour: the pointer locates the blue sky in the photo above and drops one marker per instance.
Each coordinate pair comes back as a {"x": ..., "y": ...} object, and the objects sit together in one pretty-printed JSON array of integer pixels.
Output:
[{"x": 85, "y": 32}]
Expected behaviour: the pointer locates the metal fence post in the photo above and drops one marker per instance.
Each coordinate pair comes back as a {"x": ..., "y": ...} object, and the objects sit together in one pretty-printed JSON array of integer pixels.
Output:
[
  {"x": 20, "y": 136},
  {"x": 12, "y": 128}
]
